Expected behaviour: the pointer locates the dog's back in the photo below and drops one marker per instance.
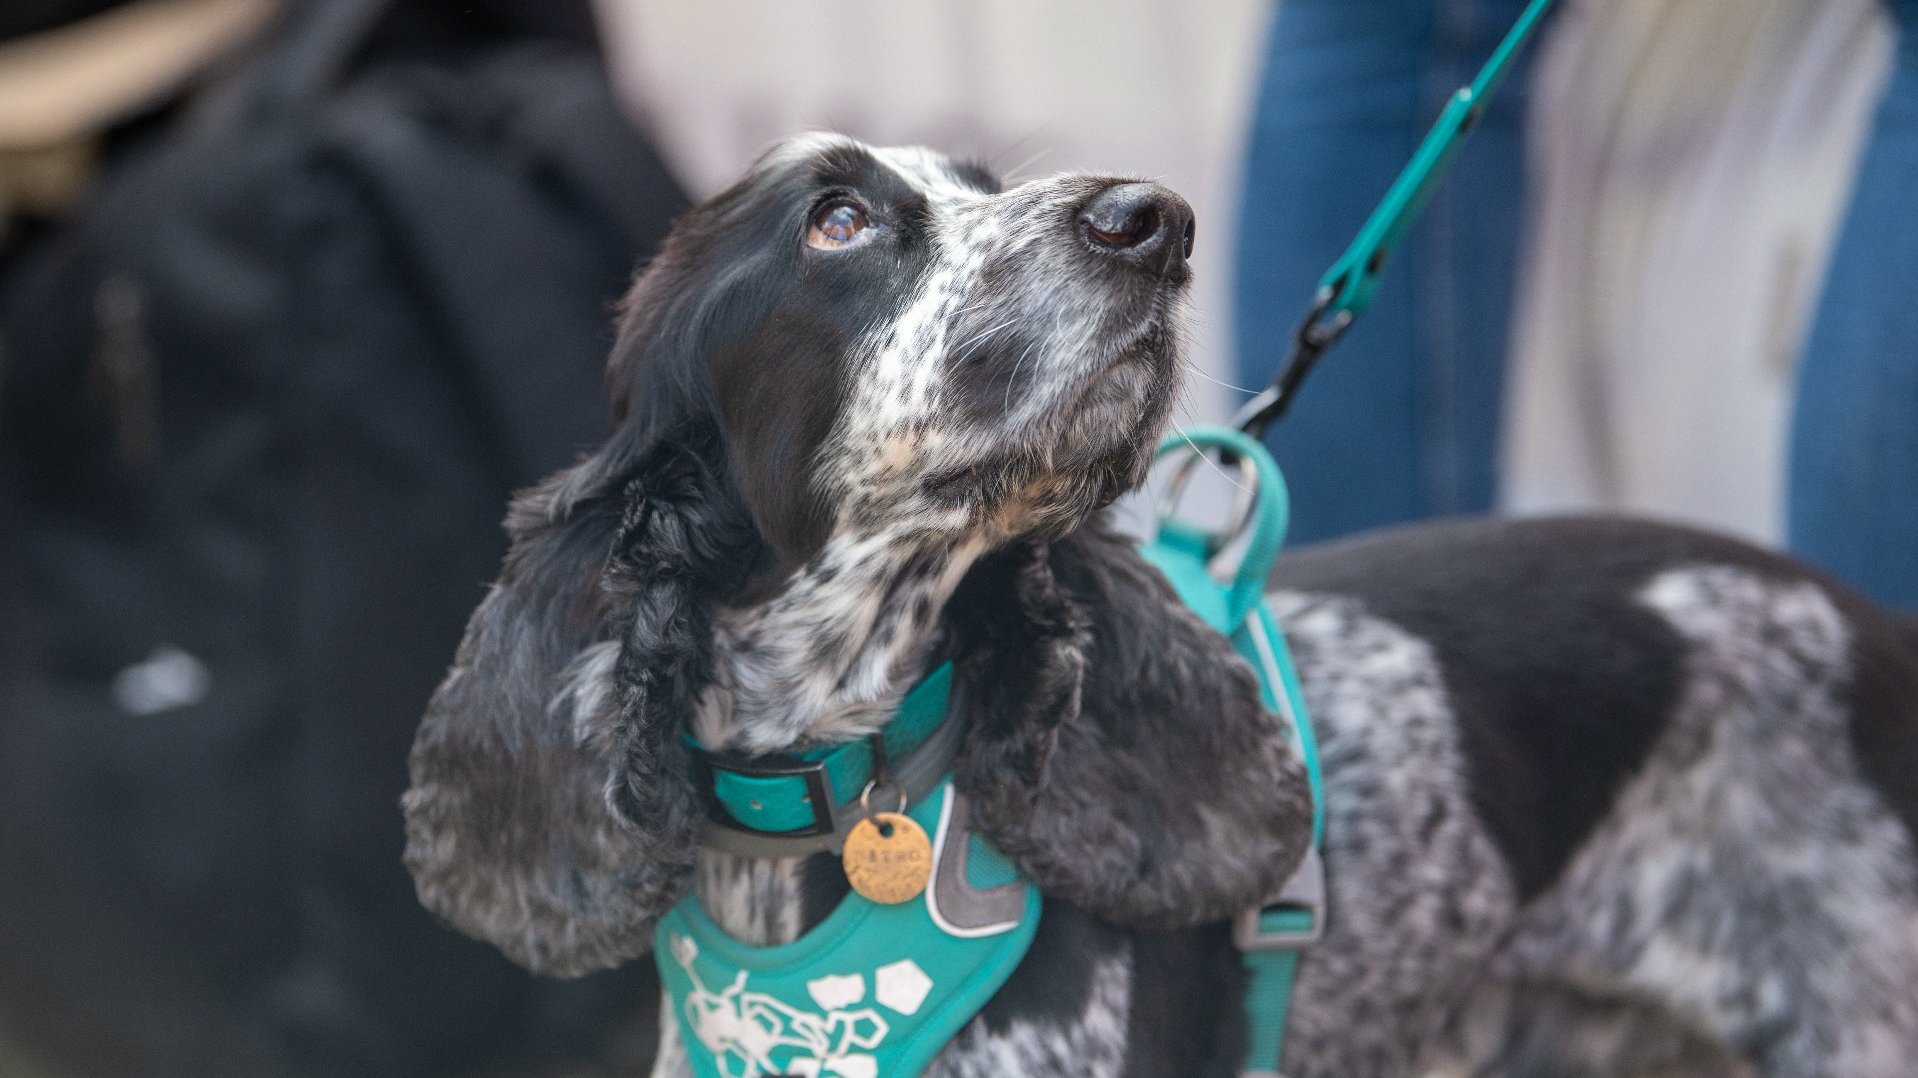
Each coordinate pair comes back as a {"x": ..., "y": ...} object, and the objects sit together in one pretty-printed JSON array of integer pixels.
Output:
[{"x": 1650, "y": 792}]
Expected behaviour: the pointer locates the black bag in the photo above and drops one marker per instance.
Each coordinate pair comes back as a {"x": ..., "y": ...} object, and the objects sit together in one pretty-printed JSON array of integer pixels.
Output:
[{"x": 260, "y": 412}]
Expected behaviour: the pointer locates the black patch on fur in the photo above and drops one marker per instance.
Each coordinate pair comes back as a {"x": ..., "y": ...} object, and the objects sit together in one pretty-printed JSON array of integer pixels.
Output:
[
  {"x": 781, "y": 397},
  {"x": 1188, "y": 1012},
  {"x": 1561, "y": 680},
  {"x": 1053, "y": 984},
  {"x": 822, "y": 887},
  {"x": 1884, "y": 705}
]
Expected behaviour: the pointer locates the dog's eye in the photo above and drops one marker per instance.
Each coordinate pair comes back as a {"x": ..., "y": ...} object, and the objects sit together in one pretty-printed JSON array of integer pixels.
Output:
[{"x": 836, "y": 224}]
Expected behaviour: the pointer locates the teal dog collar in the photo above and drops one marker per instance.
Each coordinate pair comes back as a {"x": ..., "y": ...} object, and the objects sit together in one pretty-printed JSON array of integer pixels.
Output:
[{"x": 786, "y": 806}]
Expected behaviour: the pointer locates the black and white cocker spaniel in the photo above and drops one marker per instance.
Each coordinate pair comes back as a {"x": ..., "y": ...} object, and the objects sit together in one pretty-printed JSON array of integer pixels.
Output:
[{"x": 1605, "y": 798}]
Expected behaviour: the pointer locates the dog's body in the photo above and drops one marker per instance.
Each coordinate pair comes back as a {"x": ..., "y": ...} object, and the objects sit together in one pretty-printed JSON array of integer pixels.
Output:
[{"x": 1604, "y": 798}]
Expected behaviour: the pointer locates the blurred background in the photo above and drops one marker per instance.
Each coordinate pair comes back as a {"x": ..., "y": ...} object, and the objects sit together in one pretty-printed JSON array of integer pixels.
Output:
[{"x": 294, "y": 294}]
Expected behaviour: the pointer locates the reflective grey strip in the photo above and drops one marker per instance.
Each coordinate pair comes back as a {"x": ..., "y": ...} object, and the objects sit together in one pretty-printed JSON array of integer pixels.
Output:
[{"x": 956, "y": 906}]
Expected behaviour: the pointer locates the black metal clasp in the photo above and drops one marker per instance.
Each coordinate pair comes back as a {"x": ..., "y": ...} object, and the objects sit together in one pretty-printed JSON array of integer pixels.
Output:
[{"x": 1319, "y": 330}]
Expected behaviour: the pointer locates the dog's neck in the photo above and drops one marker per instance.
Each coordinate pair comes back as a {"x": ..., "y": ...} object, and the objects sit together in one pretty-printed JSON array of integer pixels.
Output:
[{"x": 827, "y": 659}]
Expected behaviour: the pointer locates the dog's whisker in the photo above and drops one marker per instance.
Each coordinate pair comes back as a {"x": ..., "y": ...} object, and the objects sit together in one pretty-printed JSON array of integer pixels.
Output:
[
  {"x": 1209, "y": 462},
  {"x": 977, "y": 337},
  {"x": 1020, "y": 168},
  {"x": 1011, "y": 381},
  {"x": 1200, "y": 371}
]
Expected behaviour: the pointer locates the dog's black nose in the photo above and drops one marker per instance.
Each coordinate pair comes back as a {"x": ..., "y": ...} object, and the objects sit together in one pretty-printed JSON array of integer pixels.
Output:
[{"x": 1143, "y": 224}]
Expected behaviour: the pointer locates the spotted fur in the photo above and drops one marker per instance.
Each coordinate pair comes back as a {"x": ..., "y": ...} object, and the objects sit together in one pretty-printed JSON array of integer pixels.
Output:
[
  {"x": 1745, "y": 905},
  {"x": 1605, "y": 799}
]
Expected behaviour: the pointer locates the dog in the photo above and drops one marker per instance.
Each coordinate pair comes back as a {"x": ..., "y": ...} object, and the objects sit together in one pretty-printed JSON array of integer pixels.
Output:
[{"x": 1603, "y": 797}]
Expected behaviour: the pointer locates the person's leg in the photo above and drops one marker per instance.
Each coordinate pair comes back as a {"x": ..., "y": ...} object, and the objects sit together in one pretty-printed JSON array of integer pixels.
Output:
[
  {"x": 1853, "y": 491},
  {"x": 1400, "y": 421}
]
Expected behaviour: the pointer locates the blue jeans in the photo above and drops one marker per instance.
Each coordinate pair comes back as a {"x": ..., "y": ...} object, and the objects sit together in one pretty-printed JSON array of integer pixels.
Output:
[
  {"x": 1401, "y": 420},
  {"x": 1852, "y": 503}
]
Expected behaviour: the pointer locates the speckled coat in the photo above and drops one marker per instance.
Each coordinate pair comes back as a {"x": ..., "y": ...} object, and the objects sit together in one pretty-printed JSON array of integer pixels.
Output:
[{"x": 1604, "y": 798}]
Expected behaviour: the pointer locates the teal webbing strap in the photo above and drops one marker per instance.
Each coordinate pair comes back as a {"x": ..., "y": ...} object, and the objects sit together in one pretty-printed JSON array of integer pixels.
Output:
[
  {"x": 1183, "y": 553},
  {"x": 1272, "y": 937},
  {"x": 1268, "y": 1002},
  {"x": 1268, "y": 936}
]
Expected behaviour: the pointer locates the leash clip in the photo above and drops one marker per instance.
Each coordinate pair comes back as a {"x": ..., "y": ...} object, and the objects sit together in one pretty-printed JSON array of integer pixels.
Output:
[
  {"x": 1314, "y": 335},
  {"x": 1347, "y": 288},
  {"x": 1303, "y": 894}
]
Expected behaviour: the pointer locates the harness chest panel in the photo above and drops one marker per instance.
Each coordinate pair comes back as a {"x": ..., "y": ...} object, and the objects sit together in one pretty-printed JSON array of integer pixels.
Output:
[
  {"x": 872, "y": 990},
  {"x": 878, "y": 990}
]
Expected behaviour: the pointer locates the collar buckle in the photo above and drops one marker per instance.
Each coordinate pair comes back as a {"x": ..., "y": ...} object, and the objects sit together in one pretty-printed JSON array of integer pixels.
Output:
[{"x": 769, "y": 771}]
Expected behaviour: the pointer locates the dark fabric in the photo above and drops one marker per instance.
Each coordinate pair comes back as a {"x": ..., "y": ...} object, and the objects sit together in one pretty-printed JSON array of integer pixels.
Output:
[
  {"x": 19, "y": 18},
  {"x": 258, "y": 412}
]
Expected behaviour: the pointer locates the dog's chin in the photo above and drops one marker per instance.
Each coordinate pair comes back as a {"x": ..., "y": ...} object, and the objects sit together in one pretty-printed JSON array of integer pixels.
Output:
[
  {"x": 1121, "y": 407},
  {"x": 1092, "y": 441},
  {"x": 1101, "y": 443},
  {"x": 1048, "y": 493}
]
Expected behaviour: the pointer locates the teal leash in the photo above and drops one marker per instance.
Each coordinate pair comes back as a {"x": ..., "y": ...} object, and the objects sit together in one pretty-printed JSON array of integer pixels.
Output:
[{"x": 1347, "y": 289}]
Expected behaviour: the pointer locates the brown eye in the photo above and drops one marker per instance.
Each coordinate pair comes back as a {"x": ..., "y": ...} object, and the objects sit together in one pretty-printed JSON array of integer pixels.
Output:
[{"x": 835, "y": 225}]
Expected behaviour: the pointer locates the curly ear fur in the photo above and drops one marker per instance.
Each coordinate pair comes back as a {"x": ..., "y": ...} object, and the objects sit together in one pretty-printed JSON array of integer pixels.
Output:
[
  {"x": 550, "y": 813},
  {"x": 1118, "y": 751}
]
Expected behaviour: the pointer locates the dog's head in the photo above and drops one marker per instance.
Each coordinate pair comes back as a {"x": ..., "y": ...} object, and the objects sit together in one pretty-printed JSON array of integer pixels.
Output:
[
  {"x": 886, "y": 338},
  {"x": 850, "y": 341}
]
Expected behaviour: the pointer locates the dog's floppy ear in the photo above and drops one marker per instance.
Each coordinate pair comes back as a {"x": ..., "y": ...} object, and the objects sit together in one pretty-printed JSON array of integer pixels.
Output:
[
  {"x": 550, "y": 813},
  {"x": 1118, "y": 751}
]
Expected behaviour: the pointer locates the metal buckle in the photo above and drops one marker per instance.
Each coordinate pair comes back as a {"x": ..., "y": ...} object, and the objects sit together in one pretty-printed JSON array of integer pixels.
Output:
[
  {"x": 818, "y": 791},
  {"x": 1304, "y": 891}
]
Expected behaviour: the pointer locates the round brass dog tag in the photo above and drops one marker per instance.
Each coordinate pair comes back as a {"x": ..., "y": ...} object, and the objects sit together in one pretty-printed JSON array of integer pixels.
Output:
[{"x": 888, "y": 858}]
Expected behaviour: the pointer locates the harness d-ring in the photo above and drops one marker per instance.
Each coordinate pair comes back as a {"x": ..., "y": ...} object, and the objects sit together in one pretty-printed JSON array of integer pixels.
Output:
[
  {"x": 1243, "y": 505},
  {"x": 1261, "y": 515}
]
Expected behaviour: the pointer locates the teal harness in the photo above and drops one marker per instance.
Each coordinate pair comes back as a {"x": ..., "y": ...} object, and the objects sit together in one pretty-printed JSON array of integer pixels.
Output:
[
  {"x": 873, "y": 989},
  {"x": 877, "y": 990}
]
